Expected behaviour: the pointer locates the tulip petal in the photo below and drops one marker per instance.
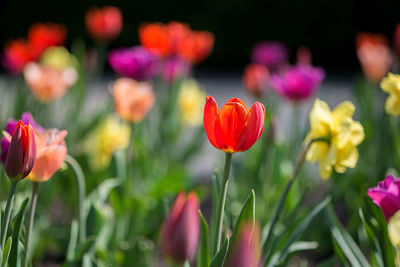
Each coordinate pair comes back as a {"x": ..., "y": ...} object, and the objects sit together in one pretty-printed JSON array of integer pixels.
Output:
[
  {"x": 389, "y": 203},
  {"x": 210, "y": 116},
  {"x": 254, "y": 127},
  {"x": 15, "y": 156}
]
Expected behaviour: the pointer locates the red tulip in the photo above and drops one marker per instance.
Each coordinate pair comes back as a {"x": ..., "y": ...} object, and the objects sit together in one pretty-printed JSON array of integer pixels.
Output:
[
  {"x": 21, "y": 155},
  {"x": 181, "y": 231},
  {"x": 44, "y": 35},
  {"x": 104, "y": 24},
  {"x": 197, "y": 46},
  {"x": 255, "y": 79},
  {"x": 247, "y": 250},
  {"x": 17, "y": 54},
  {"x": 234, "y": 128},
  {"x": 155, "y": 37}
]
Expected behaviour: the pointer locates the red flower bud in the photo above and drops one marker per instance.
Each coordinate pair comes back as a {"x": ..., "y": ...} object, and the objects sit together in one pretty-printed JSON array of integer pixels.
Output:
[
  {"x": 21, "y": 155},
  {"x": 234, "y": 128},
  {"x": 104, "y": 24},
  {"x": 181, "y": 231}
]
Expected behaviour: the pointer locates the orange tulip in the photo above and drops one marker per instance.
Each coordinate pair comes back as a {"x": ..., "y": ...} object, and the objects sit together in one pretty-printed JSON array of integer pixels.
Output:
[
  {"x": 133, "y": 100},
  {"x": 234, "y": 128},
  {"x": 197, "y": 46},
  {"x": 255, "y": 79},
  {"x": 104, "y": 24},
  {"x": 155, "y": 37},
  {"x": 51, "y": 153},
  {"x": 374, "y": 55},
  {"x": 48, "y": 84},
  {"x": 44, "y": 35}
]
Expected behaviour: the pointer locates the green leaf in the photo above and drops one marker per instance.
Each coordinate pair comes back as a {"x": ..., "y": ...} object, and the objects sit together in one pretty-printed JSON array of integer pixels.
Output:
[
  {"x": 215, "y": 193},
  {"x": 203, "y": 255},
  {"x": 220, "y": 257},
  {"x": 14, "y": 256},
  {"x": 248, "y": 213},
  {"x": 72, "y": 240},
  {"x": 303, "y": 226},
  {"x": 6, "y": 253},
  {"x": 345, "y": 242}
]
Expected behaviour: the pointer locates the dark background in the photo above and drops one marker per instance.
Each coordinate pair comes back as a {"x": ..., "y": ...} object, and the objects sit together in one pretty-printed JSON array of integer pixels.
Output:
[{"x": 327, "y": 27}]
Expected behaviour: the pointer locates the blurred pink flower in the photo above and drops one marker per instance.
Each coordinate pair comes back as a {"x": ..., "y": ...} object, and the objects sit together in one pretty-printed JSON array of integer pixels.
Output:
[
  {"x": 374, "y": 55},
  {"x": 303, "y": 55},
  {"x": 181, "y": 230},
  {"x": 135, "y": 62},
  {"x": 246, "y": 251},
  {"x": 270, "y": 54},
  {"x": 175, "y": 67},
  {"x": 255, "y": 79},
  {"x": 387, "y": 195},
  {"x": 299, "y": 82}
]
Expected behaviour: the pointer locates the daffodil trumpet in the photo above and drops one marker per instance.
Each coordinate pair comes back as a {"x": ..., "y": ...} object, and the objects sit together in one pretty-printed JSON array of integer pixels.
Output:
[
  {"x": 299, "y": 163},
  {"x": 35, "y": 188}
]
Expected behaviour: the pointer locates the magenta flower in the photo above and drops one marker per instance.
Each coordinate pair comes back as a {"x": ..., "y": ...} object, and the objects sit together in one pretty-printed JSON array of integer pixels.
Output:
[
  {"x": 135, "y": 62},
  {"x": 387, "y": 195},
  {"x": 9, "y": 129},
  {"x": 299, "y": 82},
  {"x": 174, "y": 67},
  {"x": 270, "y": 54},
  {"x": 246, "y": 251},
  {"x": 181, "y": 231}
]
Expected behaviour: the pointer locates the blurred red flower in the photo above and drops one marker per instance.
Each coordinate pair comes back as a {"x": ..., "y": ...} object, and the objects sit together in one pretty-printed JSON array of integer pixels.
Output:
[
  {"x": 44, "y": 35},
  {"x": 17, "y": 54},
  {"x": 104, "y": 24}
]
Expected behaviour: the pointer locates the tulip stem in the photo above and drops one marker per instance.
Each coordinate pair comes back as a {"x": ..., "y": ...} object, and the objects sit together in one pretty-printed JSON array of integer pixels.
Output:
[
  {"x": 7, "y": 213},
  {"x": 80, "y": 181},
  {"x": 221, "y": 205},
  {"x": 299, "y": 163},
  {"x": 35, "y": 188}
]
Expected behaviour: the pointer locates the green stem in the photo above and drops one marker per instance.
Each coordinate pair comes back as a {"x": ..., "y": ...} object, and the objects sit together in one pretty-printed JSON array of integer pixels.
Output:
[
  {"x": 35, "y": 188},
  {"x": 80, "y": 182},
  {"x": 396, "y": 137},
  {"x": 221, "y": 205},
  {"x": 300, "y": 160},
  {"x": 7, "y": 213}
]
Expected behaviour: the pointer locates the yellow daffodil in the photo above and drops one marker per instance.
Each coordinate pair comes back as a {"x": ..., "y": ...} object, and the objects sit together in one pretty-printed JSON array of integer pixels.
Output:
[
  {"x": 394, "y": 233},
  {"x": 58, "y": 57},
  {"x": 191, "y": 102},
  {"x": 110, "y": 135},
  {"x": 391, "y": 85},
  {"x": 340, "y": 134}
]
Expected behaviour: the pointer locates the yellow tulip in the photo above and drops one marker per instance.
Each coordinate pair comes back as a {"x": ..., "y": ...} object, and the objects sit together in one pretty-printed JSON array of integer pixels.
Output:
[
  {"x": 391, "y": 85},
  {"x": 191, "y": 102},
  {"x": 394, "y": 229},
  {"x": 341, "y": 136},
  {"x": 110, "y": 135},
  {"x": 58, "y": 57}
]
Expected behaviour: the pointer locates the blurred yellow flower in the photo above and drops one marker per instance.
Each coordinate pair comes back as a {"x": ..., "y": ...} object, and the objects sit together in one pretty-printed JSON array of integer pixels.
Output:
[
  {"x": 391, "y": 85},
  {"x": 191, "y": 102},
  {"x": 394, "y": 229},
  {"x": 103, "y": 141},
  {"x": 341, "y": 136},
  {"x": 58, "y": 57}
]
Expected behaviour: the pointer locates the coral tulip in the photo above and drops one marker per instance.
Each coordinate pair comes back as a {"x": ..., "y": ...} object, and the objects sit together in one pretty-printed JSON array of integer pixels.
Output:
[
  {"x": 133, "y": 100},
  {"x": 299, "y": 82},
  {"x": 104, "y": 24},
  {"x": 247, "y": 250},
  {"x": 181, "y": 230},
  {"x": 374, "y": 55},
  {"x": 136, "y": 63},
  {"x": 155, "y": 37},
  {"x": 196, "y": 47},
  {"x": 51, "y": 153},
  {"x": 255, "y": 79},
  {"x": 387, "y": 195},
  {"x": 391, "y": 85},
  {"x": 21, "y": 154},
  {"x": 234, "y": 128},
  {"x": 343, "y": 135},
  {"x": 47, "y": 83},
  {"x": 17, "y": 54},
  {"x": 44, "y": 35}
]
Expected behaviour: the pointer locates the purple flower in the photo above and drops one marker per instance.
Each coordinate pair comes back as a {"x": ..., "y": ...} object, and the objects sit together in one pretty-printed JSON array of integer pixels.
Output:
[
  {"x": 9, "y": 129},
  {"x": 299, "y": 82},
  {"x": 270, "y": 54},
  {"x": 387, "y": 195},
  {"x": 135, "y": 62},
  {"x": 174, "y": 68}
]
